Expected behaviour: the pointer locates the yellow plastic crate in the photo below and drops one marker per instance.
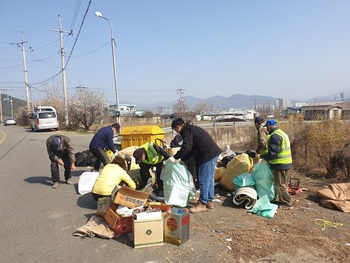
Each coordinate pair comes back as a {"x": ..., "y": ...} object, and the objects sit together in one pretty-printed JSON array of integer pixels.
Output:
[{"x": 138, "y": 135}]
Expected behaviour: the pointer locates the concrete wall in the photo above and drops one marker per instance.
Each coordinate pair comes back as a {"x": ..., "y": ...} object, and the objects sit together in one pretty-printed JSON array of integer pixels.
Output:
[{"x": 226, "y": 135}]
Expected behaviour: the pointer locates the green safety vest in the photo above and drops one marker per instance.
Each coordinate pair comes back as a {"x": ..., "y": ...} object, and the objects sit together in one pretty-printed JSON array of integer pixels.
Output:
[
  {"x": 285, "y": 155},
  {"x": 152, "y": 156}
]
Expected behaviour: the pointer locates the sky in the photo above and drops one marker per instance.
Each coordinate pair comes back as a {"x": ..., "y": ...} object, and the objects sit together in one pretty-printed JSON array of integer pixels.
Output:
[{"x": 292, "y": 49}]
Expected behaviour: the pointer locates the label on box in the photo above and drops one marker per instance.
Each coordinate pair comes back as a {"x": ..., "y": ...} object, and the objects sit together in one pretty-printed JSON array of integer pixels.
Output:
[{"x": 130, "y": 198}]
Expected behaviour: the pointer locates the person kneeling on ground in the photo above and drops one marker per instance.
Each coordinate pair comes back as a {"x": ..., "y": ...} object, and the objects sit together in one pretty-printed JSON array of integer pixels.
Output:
[
  {"x": 147, "y": 156},
  {"x": 61, "y": 152},
  {"x": 111, "y": 176}
]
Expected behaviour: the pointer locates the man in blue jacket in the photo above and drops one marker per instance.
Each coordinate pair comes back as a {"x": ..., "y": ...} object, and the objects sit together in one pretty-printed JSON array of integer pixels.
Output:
[
  {"x": 199, "y": 144},
  {"x": 102, "y": 142}
]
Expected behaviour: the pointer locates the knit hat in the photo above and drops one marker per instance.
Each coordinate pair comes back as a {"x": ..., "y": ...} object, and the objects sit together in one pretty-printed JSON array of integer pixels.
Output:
[{"x": 56, "y": 142}]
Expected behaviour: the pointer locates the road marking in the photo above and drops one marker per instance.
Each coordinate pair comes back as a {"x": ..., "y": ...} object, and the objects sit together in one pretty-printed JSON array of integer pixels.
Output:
[{"x": 3, "y": 139}]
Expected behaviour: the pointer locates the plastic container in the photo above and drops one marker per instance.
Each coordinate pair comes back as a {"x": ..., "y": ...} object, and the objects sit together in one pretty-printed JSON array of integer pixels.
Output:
[{"x": 138, "y": 135}]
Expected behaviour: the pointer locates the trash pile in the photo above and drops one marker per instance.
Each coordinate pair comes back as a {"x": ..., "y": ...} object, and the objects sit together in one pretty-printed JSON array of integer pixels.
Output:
[
  {"x": 135, "y": 212},
  {"x": 251, "y": 182}
]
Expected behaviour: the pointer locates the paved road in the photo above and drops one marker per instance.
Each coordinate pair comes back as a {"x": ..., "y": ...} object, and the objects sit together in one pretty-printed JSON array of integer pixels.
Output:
[{"x": 37, "y": 221}]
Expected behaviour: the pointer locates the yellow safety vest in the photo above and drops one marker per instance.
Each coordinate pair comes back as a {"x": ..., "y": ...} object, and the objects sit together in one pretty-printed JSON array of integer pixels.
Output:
[
  {"x": 285, "y": 155},
  {"x": 152, "y": 156}
]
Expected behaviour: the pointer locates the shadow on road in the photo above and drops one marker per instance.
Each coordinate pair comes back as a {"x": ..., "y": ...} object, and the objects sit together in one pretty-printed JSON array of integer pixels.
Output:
[
  {"x": 87, "y": 201},
  {"x": 39, "y": 180}
]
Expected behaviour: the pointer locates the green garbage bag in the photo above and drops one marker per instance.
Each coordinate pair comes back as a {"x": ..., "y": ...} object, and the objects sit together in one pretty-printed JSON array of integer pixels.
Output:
[
  {"x": 243, "y": 180},
  {"x": 264, "y": 208},
  {"x": 263, "y": 177}
]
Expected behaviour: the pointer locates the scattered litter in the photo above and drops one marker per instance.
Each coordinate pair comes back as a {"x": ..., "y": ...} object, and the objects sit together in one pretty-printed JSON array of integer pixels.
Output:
[
  {"x": 217, "y": 195},
  {"x": 217, "y": 200},
  {"x": 347, "y": 244},
  {"x": 228, "y": 239},
  {"x": 325, "y": 223},
  {"x": 228, "y": 194},
  {"x": 229, "y": 248}
]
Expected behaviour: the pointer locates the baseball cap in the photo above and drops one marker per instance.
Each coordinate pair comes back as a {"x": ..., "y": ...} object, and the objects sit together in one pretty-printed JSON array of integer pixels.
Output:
[
  {"x": 270, "y": 122},
  {"x": 57, "y": 143},
  {"x": 138, "y": 155}
]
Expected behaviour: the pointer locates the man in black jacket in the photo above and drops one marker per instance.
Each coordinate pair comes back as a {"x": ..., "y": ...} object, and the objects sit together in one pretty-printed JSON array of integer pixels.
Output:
[{"x": 199, "y": 144}]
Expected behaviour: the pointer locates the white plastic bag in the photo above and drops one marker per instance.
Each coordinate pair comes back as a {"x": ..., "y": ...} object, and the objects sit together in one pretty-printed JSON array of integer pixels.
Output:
[
  {"x": 178, "y": 184},
  {"x": 86, "y": 182}
]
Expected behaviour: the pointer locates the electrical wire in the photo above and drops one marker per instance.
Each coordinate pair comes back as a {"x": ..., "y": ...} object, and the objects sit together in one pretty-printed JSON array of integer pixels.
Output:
[{"x": 76, "y": 39}]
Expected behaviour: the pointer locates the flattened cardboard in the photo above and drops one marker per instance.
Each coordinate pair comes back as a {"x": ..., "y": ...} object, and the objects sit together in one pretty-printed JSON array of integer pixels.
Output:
[
  {"x": 148, "y": 233},
  {"x": 119, "y": 224},
  {"x": 130, "y": 198}
]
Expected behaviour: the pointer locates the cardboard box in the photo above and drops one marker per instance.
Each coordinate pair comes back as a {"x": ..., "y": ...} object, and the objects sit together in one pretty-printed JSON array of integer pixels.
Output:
[
  {"x": 148, "y": 232},
  {"x": 149, "y": 215},
  {"x": 119, "y": 224},
  {"x": 103, "y": 204},
  {"x": 130, "y": 198},
  {"x": 177, "y": 227}
]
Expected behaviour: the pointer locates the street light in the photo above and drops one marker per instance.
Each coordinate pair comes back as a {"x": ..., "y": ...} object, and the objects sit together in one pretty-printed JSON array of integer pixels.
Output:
[{"x": 98, "y": 14}]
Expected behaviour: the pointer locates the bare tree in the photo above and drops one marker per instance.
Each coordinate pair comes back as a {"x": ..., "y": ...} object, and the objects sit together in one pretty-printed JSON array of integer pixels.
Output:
[
  {"x": 85, "y": 107},
  {"x": 342, "y": 96},
  {"x": 201, "y": 107},
  {"x": 180, "y": 107}
]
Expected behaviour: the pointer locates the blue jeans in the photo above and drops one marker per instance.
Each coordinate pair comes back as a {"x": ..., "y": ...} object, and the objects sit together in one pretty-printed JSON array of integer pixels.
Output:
[{"x": 206, "y": 180}]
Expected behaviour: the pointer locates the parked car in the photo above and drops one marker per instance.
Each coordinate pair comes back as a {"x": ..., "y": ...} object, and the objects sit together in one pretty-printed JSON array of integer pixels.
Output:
[
  {"x": 10, "y": 121},
  {"x": 43, "y": 120}
]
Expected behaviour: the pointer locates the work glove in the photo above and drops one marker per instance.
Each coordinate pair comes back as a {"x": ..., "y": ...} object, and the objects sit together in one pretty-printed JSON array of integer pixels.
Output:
[{"x": 172, "y": 159}]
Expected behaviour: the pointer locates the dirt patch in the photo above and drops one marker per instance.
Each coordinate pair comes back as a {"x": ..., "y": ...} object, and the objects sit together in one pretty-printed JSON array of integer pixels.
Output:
[{"x": 230, "y": 234}]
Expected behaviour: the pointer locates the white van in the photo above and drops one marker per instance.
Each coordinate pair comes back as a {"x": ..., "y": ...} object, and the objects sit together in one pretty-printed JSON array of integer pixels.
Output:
[{"x": 43, "y": 118}]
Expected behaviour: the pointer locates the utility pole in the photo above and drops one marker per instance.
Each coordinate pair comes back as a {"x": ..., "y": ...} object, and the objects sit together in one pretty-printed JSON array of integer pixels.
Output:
[
  {"x": 1, "y": 119},
  {"x": 181, "y": 100},
  {"x": 63, "y": 69},
  {"x": 11, "y": 105},
  {"x": 25, "y": 75},
  {"x": 26, "y": 86}
]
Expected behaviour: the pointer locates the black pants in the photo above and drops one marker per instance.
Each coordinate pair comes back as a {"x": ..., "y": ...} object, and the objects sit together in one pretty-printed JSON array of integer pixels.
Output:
[
  {"x": 55, "y": 172},
  {"x": 101, "y": 157},
  {"x": 145, "y": 174},
  {"x": 97, "y": 196}
]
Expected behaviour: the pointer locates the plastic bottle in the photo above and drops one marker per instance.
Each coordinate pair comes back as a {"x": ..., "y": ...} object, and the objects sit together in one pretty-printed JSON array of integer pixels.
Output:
[
  {"x": 176, "y": 211},
  {"x": 227, "y": 151}
]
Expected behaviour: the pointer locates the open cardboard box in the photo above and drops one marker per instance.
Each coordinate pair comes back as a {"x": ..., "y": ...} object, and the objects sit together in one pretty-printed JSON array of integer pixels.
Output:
[
  {"x": 119, "y": 224},
  {"x": 131, "y": 198}
]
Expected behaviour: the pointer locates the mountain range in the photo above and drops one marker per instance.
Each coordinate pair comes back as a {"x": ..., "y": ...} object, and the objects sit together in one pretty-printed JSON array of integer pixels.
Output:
[
  {"x": 236, "y": 101},
  {"x": 239, "y": 101}
]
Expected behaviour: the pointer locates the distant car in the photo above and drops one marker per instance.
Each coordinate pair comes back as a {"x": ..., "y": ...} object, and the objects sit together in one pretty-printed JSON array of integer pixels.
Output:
[
  {"x": 10, "y": 121},
  {"x": 43, "y": 120}
]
